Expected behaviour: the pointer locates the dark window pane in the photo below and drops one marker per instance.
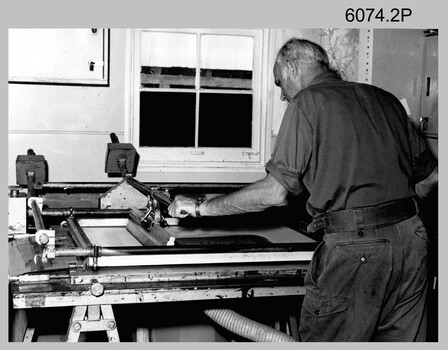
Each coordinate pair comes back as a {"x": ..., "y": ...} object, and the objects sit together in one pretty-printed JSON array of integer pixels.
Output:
[
  {"x": 167, "y": 119},
  {"x": 225, "y": 120}
]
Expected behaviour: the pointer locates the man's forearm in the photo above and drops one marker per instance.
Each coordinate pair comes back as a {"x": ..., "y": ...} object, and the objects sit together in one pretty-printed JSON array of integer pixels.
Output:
[{"x": 253, "y": 198}]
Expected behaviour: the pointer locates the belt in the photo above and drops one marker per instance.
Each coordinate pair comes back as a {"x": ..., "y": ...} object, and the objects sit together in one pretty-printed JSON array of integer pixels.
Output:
[{"x": 364, "y": 218}]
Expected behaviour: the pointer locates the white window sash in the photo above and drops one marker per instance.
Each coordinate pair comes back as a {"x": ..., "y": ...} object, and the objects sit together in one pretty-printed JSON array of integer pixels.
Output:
[{"x": 230, "y": 161}]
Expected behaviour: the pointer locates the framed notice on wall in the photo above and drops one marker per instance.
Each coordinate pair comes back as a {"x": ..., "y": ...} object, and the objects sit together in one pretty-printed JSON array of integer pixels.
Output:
[{"x": 59, "y": 56}]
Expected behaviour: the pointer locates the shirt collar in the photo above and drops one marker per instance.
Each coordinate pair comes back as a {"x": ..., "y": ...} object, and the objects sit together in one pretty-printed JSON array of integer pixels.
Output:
[{"x": 324, "y": 77}]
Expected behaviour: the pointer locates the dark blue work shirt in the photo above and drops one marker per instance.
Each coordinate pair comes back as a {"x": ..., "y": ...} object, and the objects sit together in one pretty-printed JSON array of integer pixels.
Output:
[{"x": 351, "y": 145}]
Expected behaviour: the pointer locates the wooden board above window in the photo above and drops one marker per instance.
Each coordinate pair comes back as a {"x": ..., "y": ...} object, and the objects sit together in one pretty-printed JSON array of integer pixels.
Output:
[
  {"x": 59, "y": 56},
  {"x": 177, "y": 77}
]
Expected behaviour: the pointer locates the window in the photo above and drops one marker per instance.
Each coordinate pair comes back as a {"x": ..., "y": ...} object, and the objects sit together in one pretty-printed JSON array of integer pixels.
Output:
[{"x": 198, "y": 99}]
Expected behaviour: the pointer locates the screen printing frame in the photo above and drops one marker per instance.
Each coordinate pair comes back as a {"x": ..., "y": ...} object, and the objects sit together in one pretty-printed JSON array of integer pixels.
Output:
[{"x": 128, "y": 255}]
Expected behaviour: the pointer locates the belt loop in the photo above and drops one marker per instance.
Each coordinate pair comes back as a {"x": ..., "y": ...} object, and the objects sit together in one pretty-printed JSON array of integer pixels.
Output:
[
  {"x": 358, "y": 219},
  {"x": 417, "y": 209}
]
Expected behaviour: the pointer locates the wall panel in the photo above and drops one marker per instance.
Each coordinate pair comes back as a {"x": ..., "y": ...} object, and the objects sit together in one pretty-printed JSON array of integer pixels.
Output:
[{"x": 69, "y": 125}]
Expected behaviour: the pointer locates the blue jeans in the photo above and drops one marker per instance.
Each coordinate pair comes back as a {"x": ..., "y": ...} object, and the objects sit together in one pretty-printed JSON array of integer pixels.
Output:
[{"x": 368, "y": 283}]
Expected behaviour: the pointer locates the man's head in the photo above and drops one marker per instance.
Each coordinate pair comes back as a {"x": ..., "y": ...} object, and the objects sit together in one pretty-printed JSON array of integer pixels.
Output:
[{"x": 298, "y": 62}]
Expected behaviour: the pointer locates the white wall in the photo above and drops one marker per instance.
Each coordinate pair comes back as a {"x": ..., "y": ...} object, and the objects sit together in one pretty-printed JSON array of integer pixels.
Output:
[
  {"x": 398, "y": 63},
  {"x": 398, "y": 57},
  {"x": 69, "y": 125}
]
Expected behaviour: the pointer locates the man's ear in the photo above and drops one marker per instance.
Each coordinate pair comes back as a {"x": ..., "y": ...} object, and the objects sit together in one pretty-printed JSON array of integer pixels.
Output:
[{"x": 293, "y": 68}]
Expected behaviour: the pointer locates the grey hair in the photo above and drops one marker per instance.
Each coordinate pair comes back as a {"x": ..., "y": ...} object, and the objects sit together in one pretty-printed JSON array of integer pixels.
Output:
[{"x": 302, "y": 52}]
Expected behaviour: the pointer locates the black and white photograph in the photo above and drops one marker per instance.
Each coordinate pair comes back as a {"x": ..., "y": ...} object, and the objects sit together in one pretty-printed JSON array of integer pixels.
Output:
[{"x": 224, "y": 184}]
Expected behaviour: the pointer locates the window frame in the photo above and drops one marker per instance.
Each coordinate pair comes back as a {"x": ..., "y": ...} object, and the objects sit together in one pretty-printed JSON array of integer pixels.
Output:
[{"x": 228, "y": 161}]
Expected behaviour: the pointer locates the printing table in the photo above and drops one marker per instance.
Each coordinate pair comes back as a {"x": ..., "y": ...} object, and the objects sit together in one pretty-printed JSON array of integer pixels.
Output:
[{"x": 207, "y": 263}]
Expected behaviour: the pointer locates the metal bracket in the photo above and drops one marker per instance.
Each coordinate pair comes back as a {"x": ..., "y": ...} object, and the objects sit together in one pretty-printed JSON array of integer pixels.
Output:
[
  {"x": 39, "y": 201},
  {"x": 47, "y": 239},
  {"x": 90, "y": 319}
]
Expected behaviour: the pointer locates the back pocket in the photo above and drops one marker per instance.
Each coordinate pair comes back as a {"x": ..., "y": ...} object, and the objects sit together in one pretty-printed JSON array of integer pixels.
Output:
[{"x": 365, "y": 251}]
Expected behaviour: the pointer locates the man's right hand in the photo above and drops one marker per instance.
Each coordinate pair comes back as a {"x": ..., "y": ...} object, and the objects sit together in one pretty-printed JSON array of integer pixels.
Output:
[{"x": 182, "y": 206}]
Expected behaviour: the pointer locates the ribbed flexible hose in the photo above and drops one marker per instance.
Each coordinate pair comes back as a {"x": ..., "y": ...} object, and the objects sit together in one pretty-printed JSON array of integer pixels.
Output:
[{"x": 245, "y": 327}]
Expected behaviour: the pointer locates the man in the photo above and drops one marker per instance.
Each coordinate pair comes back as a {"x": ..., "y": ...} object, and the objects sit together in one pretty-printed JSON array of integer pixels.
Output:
[{"x": 354, "y": 149}]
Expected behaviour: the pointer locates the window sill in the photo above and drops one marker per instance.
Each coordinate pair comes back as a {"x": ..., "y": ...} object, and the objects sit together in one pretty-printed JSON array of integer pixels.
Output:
[{"x": 199, "y": 174}]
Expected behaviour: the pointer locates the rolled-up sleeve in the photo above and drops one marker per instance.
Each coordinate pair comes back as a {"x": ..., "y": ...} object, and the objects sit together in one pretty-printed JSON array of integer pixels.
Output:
[
  {"x": 423, "y": 161},
  {"x": 292, "y": 150}
]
